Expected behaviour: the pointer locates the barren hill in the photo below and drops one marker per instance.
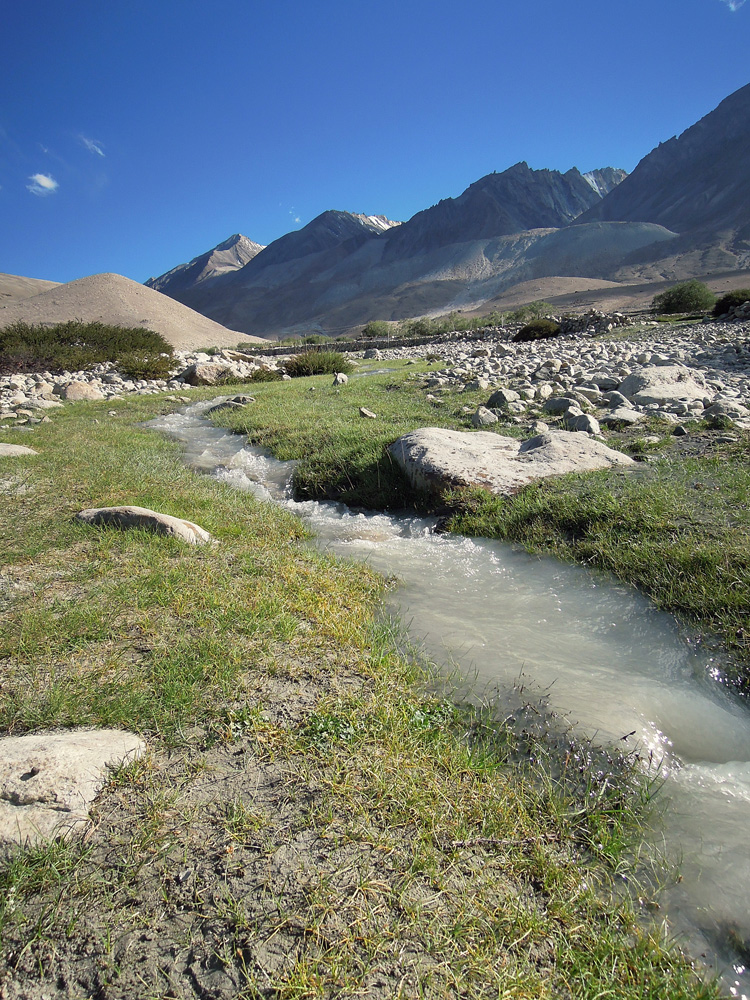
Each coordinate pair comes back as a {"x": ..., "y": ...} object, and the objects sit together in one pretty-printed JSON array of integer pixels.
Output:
[
  {"x": 698, "y": 180},
  {"x": 113, "y": 299},
  {"x": 14, "y": 287}
]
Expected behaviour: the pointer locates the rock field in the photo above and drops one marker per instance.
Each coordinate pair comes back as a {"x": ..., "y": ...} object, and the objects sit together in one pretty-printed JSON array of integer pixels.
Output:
[
  {"x": 683, "y": 373},
  {"x": 679, "y": 373},
  {"x": 27, "y": 399}
]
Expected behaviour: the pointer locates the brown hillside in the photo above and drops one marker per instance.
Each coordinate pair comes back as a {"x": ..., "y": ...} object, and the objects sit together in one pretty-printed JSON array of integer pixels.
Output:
[{"x": 114, "y": 299}]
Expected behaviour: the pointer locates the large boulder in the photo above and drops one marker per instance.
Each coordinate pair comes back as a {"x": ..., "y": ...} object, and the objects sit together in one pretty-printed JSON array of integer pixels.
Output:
[
  {"x": 621, "y": 416},
  {"x": 150, "y": 520},
  {"x": 49, "y": 780},
  {"x": 40, "y": 403},
  {"x": 434, "y": 458},
  {"x": 81, "y": 390},
  {"x": 664, "y": 384},
  {"x": 208, "y": 373},
  {"x": 11, "y": 450}
]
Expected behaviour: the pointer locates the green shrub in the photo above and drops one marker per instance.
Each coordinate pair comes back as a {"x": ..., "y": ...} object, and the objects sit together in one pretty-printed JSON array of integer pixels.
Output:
[
  {"x": 533, "y": 310},
  {"x": 537, "y": 329},
  {"x": 144, "y": 364},
  {"x": 421, "y": 327},
  {"x": 74, "y": 346},
  {"x": 377, "y": 329},
  {"x": 315, "y": 338},
  {"x": 317, "y": 363},
  {"x": 266, "y": 375},
  {"x": 688, "y": 296},
  {"x": 731, "y": 299}
]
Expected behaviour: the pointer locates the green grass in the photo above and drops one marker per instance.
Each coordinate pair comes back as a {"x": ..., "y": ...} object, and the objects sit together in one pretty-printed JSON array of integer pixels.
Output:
[
  {"x": 342, "y": 455},
  {"x": 302, "y": 785}
]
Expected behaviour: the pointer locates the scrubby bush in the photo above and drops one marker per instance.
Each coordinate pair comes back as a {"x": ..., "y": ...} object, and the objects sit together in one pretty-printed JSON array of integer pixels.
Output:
[
  {"x": 266, "y": 375},
  {"x": 144, "y": 364},
  {"x": 317, "y": 363},
  {"x": 533, "y": 310},
  {"x": 315, "y": 338},
  {"x": 537, "y": 329},
  {"x": 76, "y": 345},
  {"x": 687, "y": 297},
  {"x": 731, "y": 299},
  {"x": 377, "y": 329}
]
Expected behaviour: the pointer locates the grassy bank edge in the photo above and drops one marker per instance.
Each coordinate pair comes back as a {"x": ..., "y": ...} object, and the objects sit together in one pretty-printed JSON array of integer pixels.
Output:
[
  {"x": 524, "y": 843},
  {"x": 677, "y": 527}
]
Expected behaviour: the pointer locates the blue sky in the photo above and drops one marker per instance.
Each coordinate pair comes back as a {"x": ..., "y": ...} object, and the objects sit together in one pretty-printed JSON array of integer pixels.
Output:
[{"x": 135, "y": 136}]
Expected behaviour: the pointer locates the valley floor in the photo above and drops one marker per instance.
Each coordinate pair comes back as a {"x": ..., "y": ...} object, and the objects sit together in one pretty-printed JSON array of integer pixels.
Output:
[{"x": 313, "y": 817}]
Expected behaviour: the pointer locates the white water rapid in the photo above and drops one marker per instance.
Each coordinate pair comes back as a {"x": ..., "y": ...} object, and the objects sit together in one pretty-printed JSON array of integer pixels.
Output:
[{"x": 608, "y": 661}]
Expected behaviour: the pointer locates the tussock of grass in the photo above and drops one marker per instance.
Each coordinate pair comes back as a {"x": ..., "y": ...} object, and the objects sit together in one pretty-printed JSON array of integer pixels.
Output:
[{"x": 309, "y": 821}]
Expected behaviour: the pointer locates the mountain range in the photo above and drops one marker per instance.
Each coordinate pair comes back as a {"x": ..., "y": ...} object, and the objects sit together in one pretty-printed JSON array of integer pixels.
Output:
[{"x": 683, "y": 211}]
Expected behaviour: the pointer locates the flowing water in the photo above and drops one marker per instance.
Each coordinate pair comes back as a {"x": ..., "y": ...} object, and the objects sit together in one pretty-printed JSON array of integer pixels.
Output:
[{"x": 605, "y": 658}]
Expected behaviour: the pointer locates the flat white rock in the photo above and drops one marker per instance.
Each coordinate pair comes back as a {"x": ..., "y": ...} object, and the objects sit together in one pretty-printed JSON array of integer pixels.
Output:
[
  {"x": 49, "y": 780},
  {"x": 9, "y": 450},
  {"x": 150, "y": 520},
  {"x": 434, "y": 458},
  {"x": 664, "y": 384}
]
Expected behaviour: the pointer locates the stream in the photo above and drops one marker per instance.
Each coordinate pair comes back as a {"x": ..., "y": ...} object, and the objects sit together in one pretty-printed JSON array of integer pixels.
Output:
[{"x": 605, "y": 658}]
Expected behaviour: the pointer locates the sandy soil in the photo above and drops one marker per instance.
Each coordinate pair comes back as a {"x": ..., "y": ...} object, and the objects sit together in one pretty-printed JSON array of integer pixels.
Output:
[
  {"x": 14, "y": 288},
  {"x": 579, "y": 294},
  {"x": 114, "y": 299}
]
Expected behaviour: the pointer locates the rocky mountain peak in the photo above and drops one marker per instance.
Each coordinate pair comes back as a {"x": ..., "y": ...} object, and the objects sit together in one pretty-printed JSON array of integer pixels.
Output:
[
  {"x": 499, "y": 204},
  {"x": 228, "y": 256},
  {"x": 698, "y": 180},
  {"x": 605, "y": 179}
]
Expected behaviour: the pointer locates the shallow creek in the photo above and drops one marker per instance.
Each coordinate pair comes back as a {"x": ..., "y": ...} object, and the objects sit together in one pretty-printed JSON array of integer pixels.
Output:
[{"x": 605, "y": 659}]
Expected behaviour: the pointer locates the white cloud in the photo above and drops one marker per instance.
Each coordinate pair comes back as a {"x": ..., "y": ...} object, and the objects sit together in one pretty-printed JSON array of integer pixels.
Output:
[
  {"x": 734, "y": 4},
  {"x": 93, "y": 145},
  {"x": 42, "y": 184}
]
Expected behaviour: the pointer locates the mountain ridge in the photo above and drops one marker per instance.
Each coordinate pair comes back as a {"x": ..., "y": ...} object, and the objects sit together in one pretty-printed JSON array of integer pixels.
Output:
[
  {"x": 684, "y": 210},
  {"x": 233, "y": 253}
]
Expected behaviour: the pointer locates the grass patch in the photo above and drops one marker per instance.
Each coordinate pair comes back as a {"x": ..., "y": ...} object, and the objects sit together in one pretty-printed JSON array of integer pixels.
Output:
[
  {"x": 341, "y": 455},
  {"x": 309, "y": 821}
]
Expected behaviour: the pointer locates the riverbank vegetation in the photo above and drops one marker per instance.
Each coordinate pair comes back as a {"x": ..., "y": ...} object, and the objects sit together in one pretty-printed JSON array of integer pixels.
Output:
[
  {"x": 75, "y": 345},
  {"x": 678, "y": 527},
  {"x": 314, "y": 818}
]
